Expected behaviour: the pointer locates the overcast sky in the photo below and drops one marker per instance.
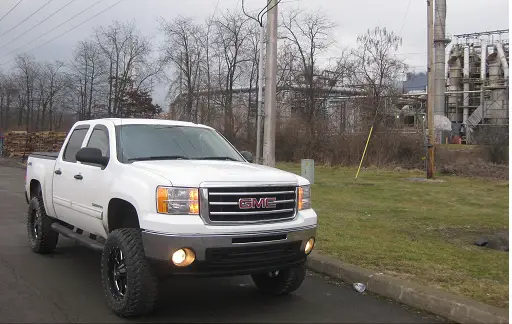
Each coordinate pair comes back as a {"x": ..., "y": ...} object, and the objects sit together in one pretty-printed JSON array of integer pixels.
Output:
[{"x": 405, "y": 17}]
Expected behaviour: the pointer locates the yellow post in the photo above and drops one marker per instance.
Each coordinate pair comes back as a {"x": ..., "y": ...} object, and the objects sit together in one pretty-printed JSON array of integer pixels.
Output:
[{"x": 364, "y": 152}]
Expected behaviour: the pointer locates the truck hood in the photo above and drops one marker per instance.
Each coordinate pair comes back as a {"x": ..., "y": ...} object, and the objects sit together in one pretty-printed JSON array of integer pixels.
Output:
[{"x": 194, "y": 173}]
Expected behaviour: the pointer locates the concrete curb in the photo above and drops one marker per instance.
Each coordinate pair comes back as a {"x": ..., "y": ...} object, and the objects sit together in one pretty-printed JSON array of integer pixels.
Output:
[{"x": 435, "y": 301}]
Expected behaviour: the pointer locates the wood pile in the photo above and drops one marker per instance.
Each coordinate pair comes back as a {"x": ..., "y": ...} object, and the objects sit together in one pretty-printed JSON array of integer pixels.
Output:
[{"x": 19, "y": 144}]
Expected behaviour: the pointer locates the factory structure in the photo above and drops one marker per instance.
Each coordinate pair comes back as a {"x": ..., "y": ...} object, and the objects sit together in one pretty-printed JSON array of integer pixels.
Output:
[
  {"x": 477, "y": 82},
  {"x": 471, "y": 92}
]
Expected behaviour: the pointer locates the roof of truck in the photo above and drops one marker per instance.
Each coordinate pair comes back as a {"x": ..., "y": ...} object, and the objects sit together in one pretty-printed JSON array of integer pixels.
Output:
[{"x": 134, "y": 121}]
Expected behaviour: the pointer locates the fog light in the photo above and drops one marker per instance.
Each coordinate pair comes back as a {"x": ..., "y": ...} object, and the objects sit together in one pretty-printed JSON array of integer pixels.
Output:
[
  {"x": 309, "y": 246},
  {"x": 183, "y": 257}
]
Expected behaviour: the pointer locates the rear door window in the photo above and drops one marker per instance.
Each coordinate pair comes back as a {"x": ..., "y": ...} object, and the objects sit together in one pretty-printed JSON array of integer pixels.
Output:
[{"x": 75, "y": 143}]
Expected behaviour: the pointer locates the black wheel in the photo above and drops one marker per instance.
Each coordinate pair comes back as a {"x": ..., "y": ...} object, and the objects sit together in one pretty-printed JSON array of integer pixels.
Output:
[
  {"x": 129, "y": 284},
  {"x": 42, "y": 238},
  {"x": 280, "y": 282}
]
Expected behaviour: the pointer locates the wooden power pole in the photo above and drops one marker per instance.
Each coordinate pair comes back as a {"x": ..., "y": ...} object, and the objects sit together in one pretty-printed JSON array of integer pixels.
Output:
[{"x": 430, "y": 88}]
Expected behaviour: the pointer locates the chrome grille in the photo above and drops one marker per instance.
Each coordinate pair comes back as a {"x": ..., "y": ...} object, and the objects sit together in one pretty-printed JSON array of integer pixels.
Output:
[{"x": 223, "y": 204}]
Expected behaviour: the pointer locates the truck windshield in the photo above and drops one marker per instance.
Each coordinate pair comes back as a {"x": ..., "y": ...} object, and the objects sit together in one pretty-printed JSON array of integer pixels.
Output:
[{"x": 163, "y": 142}]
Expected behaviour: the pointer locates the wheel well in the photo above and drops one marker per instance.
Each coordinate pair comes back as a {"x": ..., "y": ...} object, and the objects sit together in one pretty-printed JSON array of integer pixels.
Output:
[
  {"x": 35, "y": 189},
  {"x": 121, "y": 214}
]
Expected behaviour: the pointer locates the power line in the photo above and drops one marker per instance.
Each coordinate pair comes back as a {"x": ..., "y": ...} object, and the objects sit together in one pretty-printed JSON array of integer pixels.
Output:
[
  {"x": 21, "y": 22},
  {"x": 405, "y": 17},
  {"x": 8, "y": 12},
  {"x": 39, "y": 37},
  {"x": 80, "y": 24},
  {"x": 48, "y": 17}
]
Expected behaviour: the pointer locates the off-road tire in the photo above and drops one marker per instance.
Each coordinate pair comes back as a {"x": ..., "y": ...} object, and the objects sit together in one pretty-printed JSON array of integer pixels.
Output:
[
  {"x": 141, "y": 293},
  {"x": 42, "y": 239},
  {"x": 286, "y": 281}
]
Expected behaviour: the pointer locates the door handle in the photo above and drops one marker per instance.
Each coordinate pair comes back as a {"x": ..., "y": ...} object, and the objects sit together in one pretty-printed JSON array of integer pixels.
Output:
[
  {"x": 78, "y": 177},
  {"x": 58, "y": 172}
]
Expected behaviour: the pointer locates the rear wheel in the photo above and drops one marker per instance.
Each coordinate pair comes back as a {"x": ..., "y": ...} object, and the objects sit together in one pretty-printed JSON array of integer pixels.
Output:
[
  {"x": 280, "y": 282},
  {"x": 129, "y": 284},
  {"x": 42, "y": 238}
]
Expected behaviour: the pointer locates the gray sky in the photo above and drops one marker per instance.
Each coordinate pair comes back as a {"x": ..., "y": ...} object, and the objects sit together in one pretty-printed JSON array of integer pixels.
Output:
[{"x": 353, "y": 17}]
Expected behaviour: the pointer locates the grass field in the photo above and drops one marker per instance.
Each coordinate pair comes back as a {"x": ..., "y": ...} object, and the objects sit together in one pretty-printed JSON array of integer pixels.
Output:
[{"x": 420, "y": 231}]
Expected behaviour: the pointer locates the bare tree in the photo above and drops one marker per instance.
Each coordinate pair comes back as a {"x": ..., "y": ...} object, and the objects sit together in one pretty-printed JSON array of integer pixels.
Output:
[
  {"x": 184, "y": 52},
  {"x": 308, "y": 75},
  {"x": 125, "y": 51},
  {"x": 231, "y": 37},
  {"x": 28, "y": 70},
  {"x": 89, "y": 70},
  {"x": 376, "y": 69}
]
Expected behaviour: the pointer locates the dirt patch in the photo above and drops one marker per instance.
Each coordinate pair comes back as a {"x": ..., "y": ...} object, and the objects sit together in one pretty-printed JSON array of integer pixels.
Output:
[
  {"x": 475, "y": 169},
  {"x": 492, "y": 238}
]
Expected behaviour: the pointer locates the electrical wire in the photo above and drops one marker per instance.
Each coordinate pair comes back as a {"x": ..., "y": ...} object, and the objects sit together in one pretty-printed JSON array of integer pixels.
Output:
[
  {"x": 260, "y": 15},
  {"x": 39, "y": 37},
  {"x": 249, "y": 16},
  {"x": 67, "y": 31},
  {"x": 48, "y": 17},
  {"x": 279, "y": 1},
  {"x": 8, "y": 12},
  {"x": 405, "y": 17},
  {"x": 21, "y": 22}
]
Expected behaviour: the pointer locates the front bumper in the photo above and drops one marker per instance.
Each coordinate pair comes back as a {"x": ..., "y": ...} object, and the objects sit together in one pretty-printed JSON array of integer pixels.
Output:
[{"x": 230, "y": 253}]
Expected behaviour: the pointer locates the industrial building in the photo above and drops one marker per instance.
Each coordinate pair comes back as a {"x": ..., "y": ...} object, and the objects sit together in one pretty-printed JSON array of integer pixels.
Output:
[{"x": 477, "y": 82}]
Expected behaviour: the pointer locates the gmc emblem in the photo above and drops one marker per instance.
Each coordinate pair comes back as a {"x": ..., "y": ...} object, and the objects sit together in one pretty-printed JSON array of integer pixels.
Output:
[{"x": 251, "y": 203}]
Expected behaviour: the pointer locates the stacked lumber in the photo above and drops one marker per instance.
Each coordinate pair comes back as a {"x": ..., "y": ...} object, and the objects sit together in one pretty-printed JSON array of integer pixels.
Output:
[
  {"x": 15, "y": 144},
  {"x": 46, "y": 141},
  {"x": 18, "y": 144}
]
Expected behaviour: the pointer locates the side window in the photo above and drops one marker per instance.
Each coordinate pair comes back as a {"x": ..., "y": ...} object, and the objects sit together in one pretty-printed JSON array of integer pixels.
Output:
[
  {"x": 99, "y": 139},
  {"x": 74, "y": 144}
]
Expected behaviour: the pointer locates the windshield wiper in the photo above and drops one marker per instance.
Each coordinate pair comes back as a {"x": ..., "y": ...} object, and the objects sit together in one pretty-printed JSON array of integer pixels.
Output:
[
  {"x": 217, "y": 158},
  {"x": 160, "y": 157}
]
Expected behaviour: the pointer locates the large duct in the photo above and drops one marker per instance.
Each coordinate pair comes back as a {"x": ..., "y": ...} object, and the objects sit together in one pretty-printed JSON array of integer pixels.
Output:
[
  {"x": 503, "y": 59},
  {"x": 439, "y": 56},
  {"x": 483, "y": 65},
  {"x": 494, "y": 108},
  {"x": 465, "y": 113},
  {"x": 454, "y": 82}
]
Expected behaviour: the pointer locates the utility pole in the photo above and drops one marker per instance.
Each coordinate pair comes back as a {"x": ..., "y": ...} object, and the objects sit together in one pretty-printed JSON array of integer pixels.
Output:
[
  {"x": 440, "y": 42},
  {"x": 430, "y": 88},
  {"x": 269, "y": 143},
  {"x": 260, "y": 96}
]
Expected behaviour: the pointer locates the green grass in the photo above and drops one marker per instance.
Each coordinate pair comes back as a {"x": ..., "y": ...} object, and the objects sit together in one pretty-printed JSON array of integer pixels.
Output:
[{"x": 420, "y": 231}]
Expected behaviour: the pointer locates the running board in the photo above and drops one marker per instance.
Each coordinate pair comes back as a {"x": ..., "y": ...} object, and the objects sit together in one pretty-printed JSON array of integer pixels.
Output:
[{"x": 82, "y": 239}]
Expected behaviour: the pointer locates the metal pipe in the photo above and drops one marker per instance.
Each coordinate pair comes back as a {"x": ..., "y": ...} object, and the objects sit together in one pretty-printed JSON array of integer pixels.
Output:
[
  {"x": 483, "y": 61},
  {"x": 483, "y": 75},
  {"x": 503, "y": 58},
  {"x": 465, "y": 113},
  {"x": 260, "y": 96}
]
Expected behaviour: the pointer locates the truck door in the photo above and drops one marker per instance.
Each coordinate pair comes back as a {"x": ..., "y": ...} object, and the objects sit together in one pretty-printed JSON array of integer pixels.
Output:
[
  {"x": 66, "y": 183},
  {"x": 95, "y": 181}
]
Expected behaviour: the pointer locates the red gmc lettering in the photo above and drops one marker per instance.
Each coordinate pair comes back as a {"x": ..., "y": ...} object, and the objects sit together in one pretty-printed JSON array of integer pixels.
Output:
[{"x": 250, "y": 203}]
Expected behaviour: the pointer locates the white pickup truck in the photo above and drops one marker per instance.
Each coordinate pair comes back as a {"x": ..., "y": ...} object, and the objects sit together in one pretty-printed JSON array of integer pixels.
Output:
[{"x": 164, "y": 198}]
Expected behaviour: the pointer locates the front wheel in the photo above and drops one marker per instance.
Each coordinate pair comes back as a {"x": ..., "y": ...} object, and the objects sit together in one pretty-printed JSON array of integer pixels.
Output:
[
  {"x": 128, "y": 283},
  {"x": 280, "y": 282}
]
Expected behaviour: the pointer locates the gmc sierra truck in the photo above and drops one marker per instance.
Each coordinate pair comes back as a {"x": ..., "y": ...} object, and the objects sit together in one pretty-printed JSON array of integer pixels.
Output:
[{"x": 162, "y": 198}]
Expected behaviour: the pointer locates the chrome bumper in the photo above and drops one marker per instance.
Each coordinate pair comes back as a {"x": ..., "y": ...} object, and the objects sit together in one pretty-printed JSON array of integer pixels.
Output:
[{"x": 161, "y": 246}]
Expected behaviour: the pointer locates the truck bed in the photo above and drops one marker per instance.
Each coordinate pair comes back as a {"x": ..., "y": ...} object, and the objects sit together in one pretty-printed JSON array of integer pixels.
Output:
[{"x": 45, "y": 155}]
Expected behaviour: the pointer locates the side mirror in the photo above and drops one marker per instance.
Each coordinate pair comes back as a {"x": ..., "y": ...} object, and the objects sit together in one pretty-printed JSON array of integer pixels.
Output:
[
  {"x": 91, "y": 155},
  {"x": 247, "y": 156}
]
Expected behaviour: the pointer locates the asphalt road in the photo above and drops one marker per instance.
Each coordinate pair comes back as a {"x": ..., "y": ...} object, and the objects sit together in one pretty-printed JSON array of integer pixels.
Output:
[{"x": 65, "y": 287}]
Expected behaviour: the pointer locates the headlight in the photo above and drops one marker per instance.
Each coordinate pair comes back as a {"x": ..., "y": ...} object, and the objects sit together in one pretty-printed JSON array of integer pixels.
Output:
[
  {"x": 183, "y": 201},
  {"x": 304, "y": 197}
]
